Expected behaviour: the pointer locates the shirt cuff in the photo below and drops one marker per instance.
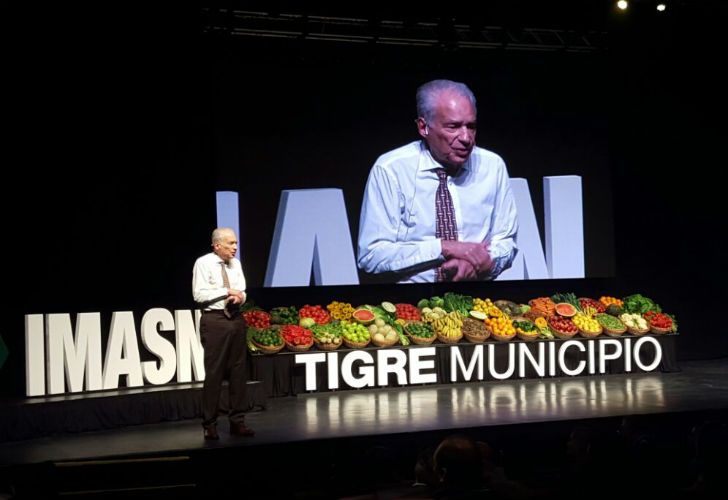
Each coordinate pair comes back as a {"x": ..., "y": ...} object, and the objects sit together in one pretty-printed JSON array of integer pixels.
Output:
[{"x": 432, "y": 250}]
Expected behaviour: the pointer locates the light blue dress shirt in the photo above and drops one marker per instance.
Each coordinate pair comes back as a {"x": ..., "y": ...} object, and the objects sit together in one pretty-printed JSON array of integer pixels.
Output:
[{"x": 397, "y": 224}]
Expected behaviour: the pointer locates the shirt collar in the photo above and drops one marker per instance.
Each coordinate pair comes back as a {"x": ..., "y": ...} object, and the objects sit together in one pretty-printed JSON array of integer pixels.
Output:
[
  {"x": 432, "y": 164},
  {"x": 218, "y": 260}
]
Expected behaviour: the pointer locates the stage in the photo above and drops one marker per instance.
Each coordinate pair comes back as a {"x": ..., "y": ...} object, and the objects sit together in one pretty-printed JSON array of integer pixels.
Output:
[{"x": 341, "y": 422}]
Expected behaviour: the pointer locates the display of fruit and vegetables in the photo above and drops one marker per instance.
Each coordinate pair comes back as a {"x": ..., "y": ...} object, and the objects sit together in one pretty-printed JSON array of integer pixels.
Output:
[
  {"x": 450, "y": 325},
  {"x": 257, "y": 318},
  {"x": 340, "y": 310},
  {"x": 355, "y": 332},
  {"x": 296, "y": 335},
  {"x": 451, "y": 315},
  {"x": 317, "y": 313},
  {"x": 329, "y": 333},
  {"x": 634, "y": 321},
  {"x": 419, "y": 329}
]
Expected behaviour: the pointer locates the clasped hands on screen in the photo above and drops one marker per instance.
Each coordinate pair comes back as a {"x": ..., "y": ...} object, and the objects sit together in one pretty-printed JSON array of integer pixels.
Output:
[{"x": 464, "y": 260}]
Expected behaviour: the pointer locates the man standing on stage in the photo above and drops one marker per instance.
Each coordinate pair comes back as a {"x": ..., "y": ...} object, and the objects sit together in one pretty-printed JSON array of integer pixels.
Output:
[{"x": 218, "y": 286}]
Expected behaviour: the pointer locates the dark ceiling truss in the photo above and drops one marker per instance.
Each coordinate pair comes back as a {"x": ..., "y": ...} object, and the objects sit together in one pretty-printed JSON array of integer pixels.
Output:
[{"x": 447, "y": 32}]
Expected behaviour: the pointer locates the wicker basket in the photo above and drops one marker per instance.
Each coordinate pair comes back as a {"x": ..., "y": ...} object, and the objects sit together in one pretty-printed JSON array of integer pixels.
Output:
[
  {"x": 385, "y": 343},
  {"x": 614, "y": 333},
  {"x": 527, "y": 336},
  {"x": 591, "y": 335},
  {"x": 503, "y": 338},
  {"x": 562, "y": 335},
  {"x": 449, "y": 340},
  {"x": 268, "y": 349},
  {"x": 419, "y": 340},
  {"x": 483, "y": 332},
  {"x": 660, "y": 331},
  {"x": 637, "y": 331},
  {"x": 477, "y": 339},
  {"x": 422, "y": 340},
  {"x": 354, "y": 345},
  {"x": 300, "y": 347},
  {"x": 331, "y": 346}
]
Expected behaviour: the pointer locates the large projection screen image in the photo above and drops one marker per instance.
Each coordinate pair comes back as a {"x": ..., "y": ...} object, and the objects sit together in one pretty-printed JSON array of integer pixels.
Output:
[{"x": 323, "y": 167}]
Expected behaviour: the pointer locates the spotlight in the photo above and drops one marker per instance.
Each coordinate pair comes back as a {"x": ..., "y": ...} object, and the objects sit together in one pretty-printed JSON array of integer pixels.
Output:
[
  {"x": 622, "y": 4},
  {"x": 661, "y": 7}
]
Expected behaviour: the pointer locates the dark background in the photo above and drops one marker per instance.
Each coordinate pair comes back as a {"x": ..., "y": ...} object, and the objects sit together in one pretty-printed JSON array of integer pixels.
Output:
[{"x": 125, "y": 120}]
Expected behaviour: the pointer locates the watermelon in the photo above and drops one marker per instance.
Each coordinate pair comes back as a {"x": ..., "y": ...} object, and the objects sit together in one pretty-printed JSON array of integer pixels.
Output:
[
  {"x": 363, "y": 316},
  {"x": 565, "y": 309}
]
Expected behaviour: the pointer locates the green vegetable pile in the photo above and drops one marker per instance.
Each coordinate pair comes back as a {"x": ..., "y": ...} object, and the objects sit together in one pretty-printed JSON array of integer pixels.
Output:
[
  {"x": 638, "y": 304},
  {"x": 284, "y": 315},
  {"x": 456, "y": 302},
  {"x": 608, "y": 321}
]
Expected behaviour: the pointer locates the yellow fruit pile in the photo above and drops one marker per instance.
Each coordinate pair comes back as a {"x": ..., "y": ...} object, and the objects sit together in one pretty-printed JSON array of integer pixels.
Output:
[
  {"x": 450, "y": 325},
  {"x": 487, "y": 307},
  {"x": 587, "y": 323},
  {"x": 501, "y": 326},
  {"x": 340, "y": 310}
]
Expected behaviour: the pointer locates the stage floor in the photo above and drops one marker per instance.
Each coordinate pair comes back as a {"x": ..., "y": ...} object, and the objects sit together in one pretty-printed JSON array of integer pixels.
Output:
[{"x": 700, "y": 386}]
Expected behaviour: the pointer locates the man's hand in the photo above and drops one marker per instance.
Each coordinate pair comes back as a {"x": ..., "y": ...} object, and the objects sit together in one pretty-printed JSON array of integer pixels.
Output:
[
  {"x": 475, "y": 253},
  {"x": 236, "y": 296},
  {"x": 459, "y": 270}
]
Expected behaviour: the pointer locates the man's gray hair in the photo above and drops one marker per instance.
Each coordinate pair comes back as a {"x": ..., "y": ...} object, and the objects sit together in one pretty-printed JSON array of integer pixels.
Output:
[
  {"x": 428, "y": 93},
  {"x": 219, "y": 233}
]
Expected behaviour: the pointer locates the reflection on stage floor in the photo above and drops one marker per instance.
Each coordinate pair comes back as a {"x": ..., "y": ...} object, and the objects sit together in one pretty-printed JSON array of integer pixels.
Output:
[{"x": 700, "y": 386}]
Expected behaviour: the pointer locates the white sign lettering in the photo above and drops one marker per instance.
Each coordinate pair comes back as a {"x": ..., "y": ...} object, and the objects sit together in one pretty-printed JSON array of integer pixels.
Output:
[{"x": 64, "y": 355}]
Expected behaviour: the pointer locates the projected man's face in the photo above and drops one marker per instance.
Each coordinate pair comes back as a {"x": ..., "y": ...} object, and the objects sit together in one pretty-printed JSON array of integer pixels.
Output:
[{"x": 451, "y": 135}]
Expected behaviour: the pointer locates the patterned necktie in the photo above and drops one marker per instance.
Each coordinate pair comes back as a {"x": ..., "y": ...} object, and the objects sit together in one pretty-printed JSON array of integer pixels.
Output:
[
  {"x": 226, "y": 284},
  {"x": 225, "y": 279},
  {"x": 446, "y": 227}
]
